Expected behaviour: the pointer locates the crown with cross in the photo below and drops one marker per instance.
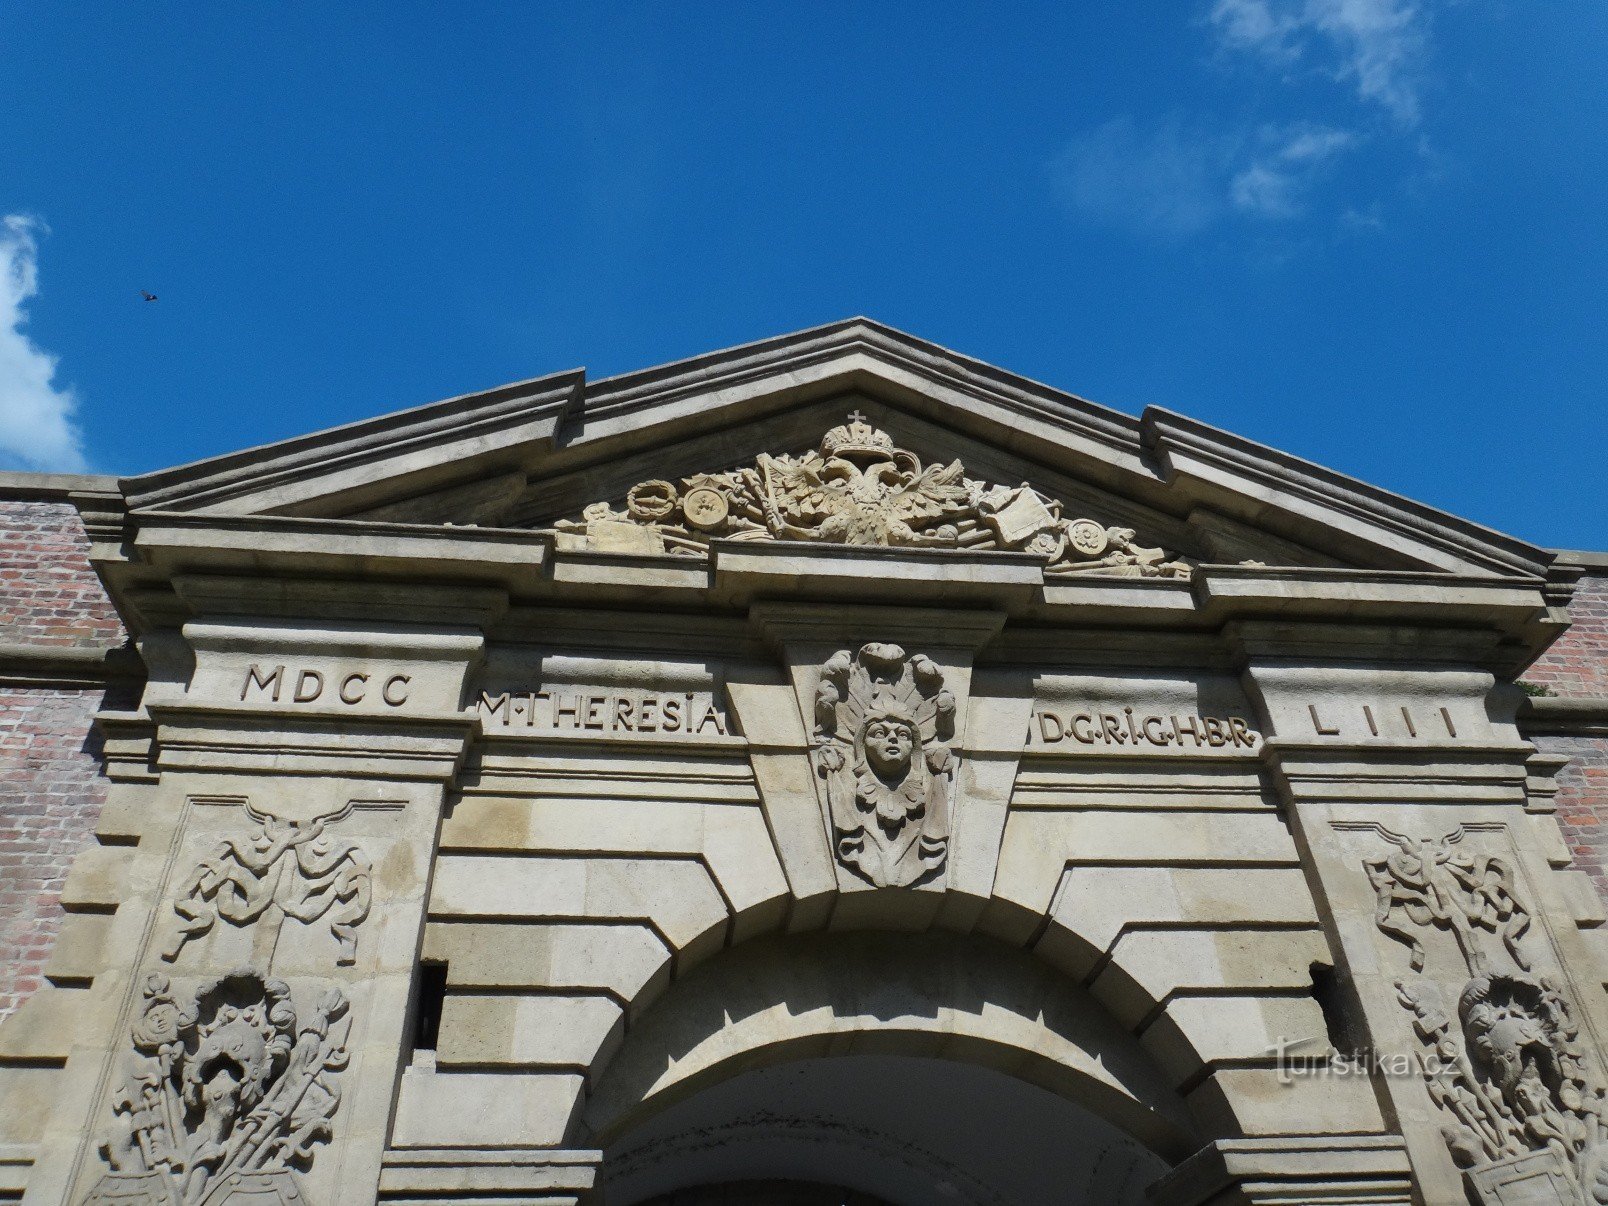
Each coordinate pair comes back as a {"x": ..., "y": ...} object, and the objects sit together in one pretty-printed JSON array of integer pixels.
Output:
[{"x": 856, "y": 439}]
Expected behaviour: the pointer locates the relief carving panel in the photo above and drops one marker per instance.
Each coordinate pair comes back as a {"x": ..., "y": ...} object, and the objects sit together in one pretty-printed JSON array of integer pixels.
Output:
[
  {"x": 1427, "y": 884},
  {"x": 282, "y": 869},
  {"x": 882, "y": 721},
  {"x": 1526, "y": 1117},
  {"x": 229, "y": 1092},
  {"x": 859, "y": 489}
]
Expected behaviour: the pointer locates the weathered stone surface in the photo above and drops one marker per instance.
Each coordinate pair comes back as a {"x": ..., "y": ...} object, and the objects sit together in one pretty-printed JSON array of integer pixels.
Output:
[{"x": 542, "y": 765}]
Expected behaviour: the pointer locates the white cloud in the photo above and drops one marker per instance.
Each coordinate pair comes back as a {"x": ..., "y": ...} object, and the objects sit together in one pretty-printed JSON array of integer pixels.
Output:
[
  {"x": 1366, "y": 219},
  {"x": 1261, "y": 189},
  {"x": 1289, "y": 162},
  {"x": 1253, "y": 25},
  {"x": 1182, "y": 174},
  {"x": 1165, "y": 179},
  {"x": 1376, "y": 45},
  {"x": 36, "y": 418},
  {"x": 1176, "y": 179},
  {"x": 1314, "y": 145}
]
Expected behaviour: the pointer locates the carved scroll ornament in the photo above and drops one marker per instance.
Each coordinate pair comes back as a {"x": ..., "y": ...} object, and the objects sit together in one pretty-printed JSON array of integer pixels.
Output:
[
  {"x": 228, "y": 1092},
  {"x": 282, "y": 869},
  {"x": 859, "y": 489},
  {"x": 1428, "y": 884},
  {"x": 882, "y": 718}
]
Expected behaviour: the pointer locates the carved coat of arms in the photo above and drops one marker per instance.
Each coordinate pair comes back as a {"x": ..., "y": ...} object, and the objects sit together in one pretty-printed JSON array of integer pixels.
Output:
[
  {"x": 882, "y": 720},
  {"x": 227, "y": 1094},
  {"x": 859, "y": 488},
  {"x": 1523, "y": 1108}
]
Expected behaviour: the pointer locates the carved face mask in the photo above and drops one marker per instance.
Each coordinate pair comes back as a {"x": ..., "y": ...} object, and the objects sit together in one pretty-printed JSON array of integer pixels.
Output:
[{"x": 888, "y": 746}]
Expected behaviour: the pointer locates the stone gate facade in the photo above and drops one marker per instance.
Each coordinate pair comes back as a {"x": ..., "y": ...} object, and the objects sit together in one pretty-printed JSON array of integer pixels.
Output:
[{"x": 830, "y": 769}]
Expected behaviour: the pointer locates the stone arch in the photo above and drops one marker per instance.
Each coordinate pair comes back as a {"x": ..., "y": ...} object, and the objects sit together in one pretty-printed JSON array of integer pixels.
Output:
[{"x": 935, "y": 994}]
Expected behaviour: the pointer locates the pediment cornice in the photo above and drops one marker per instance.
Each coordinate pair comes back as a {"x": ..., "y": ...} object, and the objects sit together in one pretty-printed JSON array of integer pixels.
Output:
[{"x": 498, "y": 458}]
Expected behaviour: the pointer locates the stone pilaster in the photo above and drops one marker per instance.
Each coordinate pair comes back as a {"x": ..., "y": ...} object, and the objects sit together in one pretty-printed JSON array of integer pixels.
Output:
[
  {"x": 1406, "y": 793},
  {"x": 264, "y": 876}
]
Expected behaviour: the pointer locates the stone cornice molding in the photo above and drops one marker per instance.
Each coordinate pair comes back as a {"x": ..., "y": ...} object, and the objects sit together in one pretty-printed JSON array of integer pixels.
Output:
[
  {"x": 60, "y": 486},
  {"x": 856, "y": 354},
  {"x": 236, "y": 738},
  {"x": 181, "y": 565},
  {"x": 1375, "y": 523},
  {"x": 561, "y": 424},
  {"x": 374, "y": 460},
  {"x": 1588, "y": 560},
  {"x": 948, "y": 628},
  {"x": 1550, "y": 716},
  {"x": 1306, "y": 771},
  {"x": 1372, "y": 1168},
  {"x": 1140, "y": 457},
  {"x": 1500, "y": 621},
  {"x": 67, "y": 666},
  {"x": 175, "y": 566},
  {"x": 293, "y": 545},
  {"x": 97, "y": 497},
  {"x": 744, "y": 571},
  {"x": 196, "y": 540},
  {"x": 503, "y": 1175}
]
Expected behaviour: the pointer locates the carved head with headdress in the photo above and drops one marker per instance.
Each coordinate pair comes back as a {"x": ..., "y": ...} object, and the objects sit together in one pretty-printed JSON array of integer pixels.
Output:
[
  {"x": 882, "y": 717},
  {"x": 889, "y": 740}
]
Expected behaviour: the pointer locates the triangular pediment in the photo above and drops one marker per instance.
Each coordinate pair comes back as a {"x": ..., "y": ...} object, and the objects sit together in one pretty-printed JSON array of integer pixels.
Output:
[{"x": 976, "y": 457}]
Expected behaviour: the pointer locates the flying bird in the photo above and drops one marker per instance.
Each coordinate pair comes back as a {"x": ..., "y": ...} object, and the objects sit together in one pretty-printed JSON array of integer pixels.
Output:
[{"x": 147, "y": 296}]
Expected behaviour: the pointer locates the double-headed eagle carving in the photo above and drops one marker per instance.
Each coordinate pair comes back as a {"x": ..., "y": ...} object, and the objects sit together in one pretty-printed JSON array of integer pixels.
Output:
[{"x": 859, "y": 489}]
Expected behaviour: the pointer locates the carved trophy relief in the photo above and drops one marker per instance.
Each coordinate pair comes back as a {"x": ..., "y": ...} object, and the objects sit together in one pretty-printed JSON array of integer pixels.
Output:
[
  {"x": 282, "y": 869},
  {"x": 1524, "y": 1112},
  {"x": 228, "y": 1094},
  {"x": 882, "y": 720},
  {"x": 1526, "y": 1115},
  {"x": 858, "y": 489}
]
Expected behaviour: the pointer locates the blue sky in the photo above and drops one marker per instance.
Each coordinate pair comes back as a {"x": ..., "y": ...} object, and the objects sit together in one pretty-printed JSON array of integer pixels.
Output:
[{"x": 1369, "y": 232}]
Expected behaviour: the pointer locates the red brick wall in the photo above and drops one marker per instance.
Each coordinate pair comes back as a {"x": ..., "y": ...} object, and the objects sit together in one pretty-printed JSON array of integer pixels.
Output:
[
  {"x": 1575, "y": 667},
  {"x": 51, "y": 792},
  {"x": 49, "y": 595},
  {"x": 1583, "y": 802},
  {"x": 51, "y": 789},
  {"x": 1577, "y": 663}
]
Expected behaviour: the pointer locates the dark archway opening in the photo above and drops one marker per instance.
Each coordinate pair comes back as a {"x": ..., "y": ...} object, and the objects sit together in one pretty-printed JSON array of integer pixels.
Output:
[
  {"x": 875, "y": 1130},
  {"x": 767, "y": 1193}
]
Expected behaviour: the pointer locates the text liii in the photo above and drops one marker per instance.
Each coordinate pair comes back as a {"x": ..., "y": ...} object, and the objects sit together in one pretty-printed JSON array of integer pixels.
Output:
[
  {"x": 578, "y": 710},
  {"x": 1387, "y": 721}
]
